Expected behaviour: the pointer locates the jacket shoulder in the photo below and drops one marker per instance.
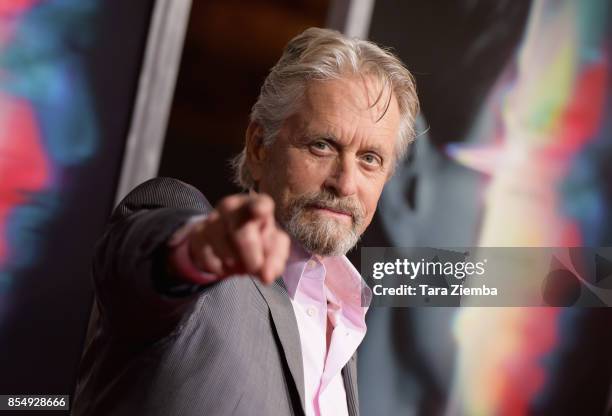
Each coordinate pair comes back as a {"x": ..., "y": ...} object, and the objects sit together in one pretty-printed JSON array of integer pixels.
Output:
[{"x": 162, "y": 192}]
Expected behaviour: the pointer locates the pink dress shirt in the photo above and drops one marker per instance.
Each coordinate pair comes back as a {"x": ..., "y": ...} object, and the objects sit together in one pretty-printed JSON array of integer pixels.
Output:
[
  {"x": 325, "y": 289},
  {"x": 322, "y": 290}
]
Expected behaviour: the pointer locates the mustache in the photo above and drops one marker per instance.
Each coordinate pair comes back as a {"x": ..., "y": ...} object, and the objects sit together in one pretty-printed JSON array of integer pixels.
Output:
[{"x": 328, "y": 200}]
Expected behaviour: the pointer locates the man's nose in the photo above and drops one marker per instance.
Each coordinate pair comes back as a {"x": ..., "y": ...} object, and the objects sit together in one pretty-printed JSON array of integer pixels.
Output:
[{"x": 342, "y": 179}]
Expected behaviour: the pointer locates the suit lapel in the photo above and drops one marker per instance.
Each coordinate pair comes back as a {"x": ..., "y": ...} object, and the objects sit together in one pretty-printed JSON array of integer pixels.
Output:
[
  {"x": 286, "y": 327},
  {"x": 349, "y": 376}
]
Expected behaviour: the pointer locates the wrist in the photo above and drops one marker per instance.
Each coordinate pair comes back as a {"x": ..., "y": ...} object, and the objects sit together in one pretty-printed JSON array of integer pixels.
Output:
[{"x": 180, "y": 262}]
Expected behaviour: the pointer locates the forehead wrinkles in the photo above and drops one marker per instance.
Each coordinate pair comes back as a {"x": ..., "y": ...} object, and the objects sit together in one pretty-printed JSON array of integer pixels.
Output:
[{"x": 364, "y": 96}]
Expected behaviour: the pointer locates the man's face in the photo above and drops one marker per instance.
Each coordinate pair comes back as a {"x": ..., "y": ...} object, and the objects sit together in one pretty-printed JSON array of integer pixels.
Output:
[{"x": 330, "y": 161}]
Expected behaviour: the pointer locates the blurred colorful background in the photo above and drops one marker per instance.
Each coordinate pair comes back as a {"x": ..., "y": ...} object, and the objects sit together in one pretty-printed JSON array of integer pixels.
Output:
[{"x": 68, "y": 77}]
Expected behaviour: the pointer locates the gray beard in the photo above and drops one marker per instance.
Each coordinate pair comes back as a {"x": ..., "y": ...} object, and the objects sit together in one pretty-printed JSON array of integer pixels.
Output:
[{"x": 322, "y": 236}]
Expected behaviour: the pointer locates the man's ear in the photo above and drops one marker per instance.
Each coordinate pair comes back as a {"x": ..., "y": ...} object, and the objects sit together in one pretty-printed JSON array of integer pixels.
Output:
[{"x": 255, "y": 150}]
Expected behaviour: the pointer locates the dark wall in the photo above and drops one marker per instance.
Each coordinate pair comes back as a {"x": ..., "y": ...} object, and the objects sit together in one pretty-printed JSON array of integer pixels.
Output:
[{"x": 229, "y": 49}]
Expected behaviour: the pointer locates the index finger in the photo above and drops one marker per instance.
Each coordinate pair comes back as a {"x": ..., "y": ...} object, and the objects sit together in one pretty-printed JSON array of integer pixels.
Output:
[{"x": 260, "y": 206}]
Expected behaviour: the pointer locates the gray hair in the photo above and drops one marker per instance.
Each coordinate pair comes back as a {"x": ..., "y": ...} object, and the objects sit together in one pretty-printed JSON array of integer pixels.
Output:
[{"x": 323, "y": 54}]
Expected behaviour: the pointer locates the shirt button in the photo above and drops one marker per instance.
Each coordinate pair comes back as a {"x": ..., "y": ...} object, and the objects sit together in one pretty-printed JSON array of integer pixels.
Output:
[{"x": 311, "y": 311}]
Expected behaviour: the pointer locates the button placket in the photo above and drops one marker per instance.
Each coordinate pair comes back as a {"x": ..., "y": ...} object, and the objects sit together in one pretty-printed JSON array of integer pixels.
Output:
[{"x": 311, "y": 311}]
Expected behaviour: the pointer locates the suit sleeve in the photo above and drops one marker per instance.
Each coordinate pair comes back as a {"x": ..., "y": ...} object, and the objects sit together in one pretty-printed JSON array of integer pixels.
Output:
[{"x": 136, "y": 296}]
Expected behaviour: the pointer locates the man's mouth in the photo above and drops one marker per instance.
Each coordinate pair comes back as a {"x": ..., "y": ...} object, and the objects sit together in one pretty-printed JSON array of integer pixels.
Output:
[{"x": 333, "y": 212}]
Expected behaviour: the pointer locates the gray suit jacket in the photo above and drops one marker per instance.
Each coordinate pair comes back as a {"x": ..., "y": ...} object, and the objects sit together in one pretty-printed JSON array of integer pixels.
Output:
[{"x": 156, "y": 347}]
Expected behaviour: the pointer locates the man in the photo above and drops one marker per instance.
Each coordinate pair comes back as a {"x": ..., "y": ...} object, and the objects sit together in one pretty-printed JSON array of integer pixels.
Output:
[{"x": 193, "y": 316}]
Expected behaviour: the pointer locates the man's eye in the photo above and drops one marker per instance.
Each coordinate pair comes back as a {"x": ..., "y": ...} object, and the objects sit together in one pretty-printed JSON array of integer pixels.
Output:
[
  {"x": 320, "y": 145},
  {"x": 371, "y": 159}
]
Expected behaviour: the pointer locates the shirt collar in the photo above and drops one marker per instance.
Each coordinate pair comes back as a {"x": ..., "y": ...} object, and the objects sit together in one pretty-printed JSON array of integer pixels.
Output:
[{"x": 341, "y": 277}]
